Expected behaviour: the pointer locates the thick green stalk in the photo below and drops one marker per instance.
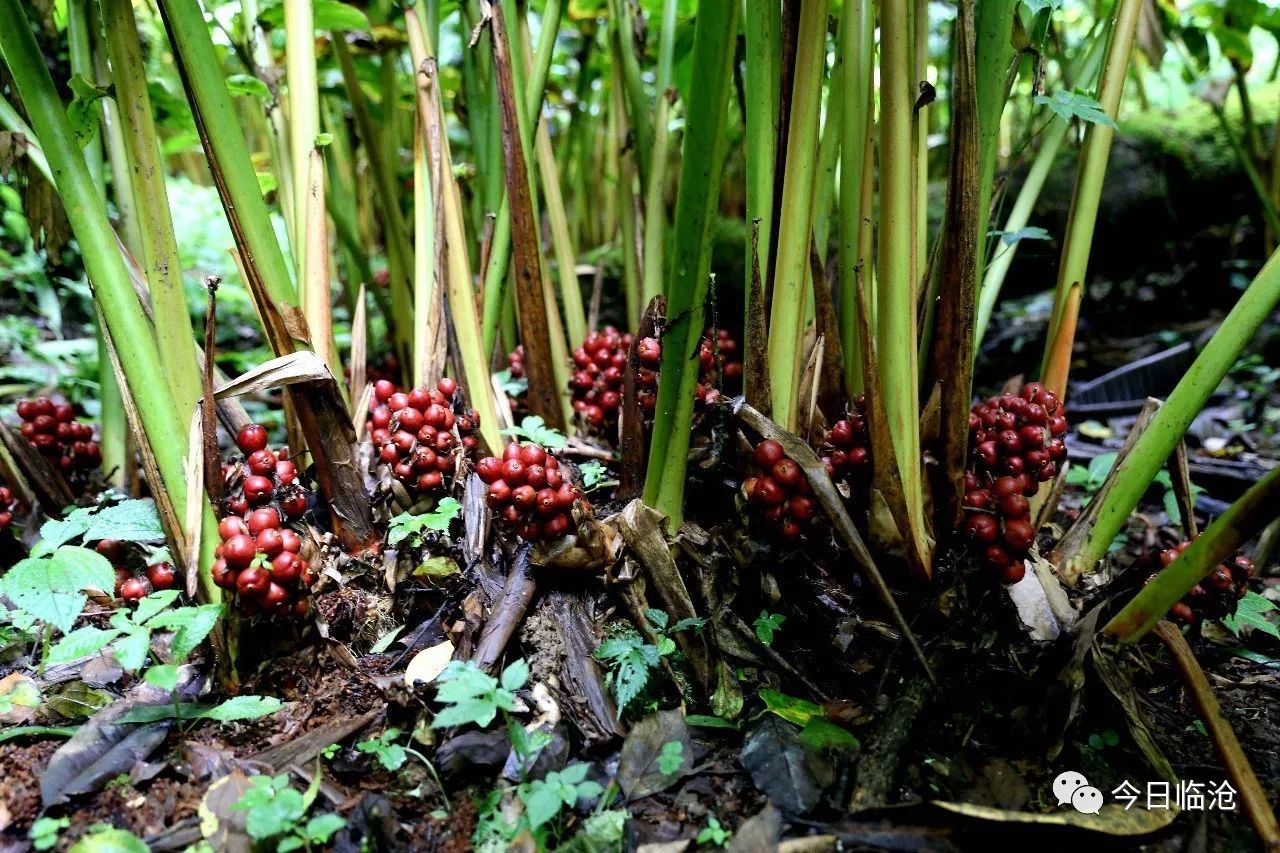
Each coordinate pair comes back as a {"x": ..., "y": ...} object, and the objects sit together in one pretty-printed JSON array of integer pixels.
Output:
[
  {"x": 626, "y": 195},
  {"x": 258, "y": 46},
  {"x": 304, "y": 121},
  {"x": 638, "y": 112},
  {"x": 1084, "y": 204},
  {"x": 227, "y": 151},
  {"x": 1138, "y": 469},
  {"x": 858, "y": 55},
  {"x": 896, "y": 334},
  {"x": 696, "y": 202},
  {"x": 80, "y": 49},
  {"x": 995, "y": 54},
  {"x": 1251, "y": 172},
  {"x": 995, "y": 272},
  {"x": 786, "y": 316},
  {"x": 165, "y": 427},
  {"x": 395, "y": 231},
  {"x": 341, "y": 201},
  {"x": 655, "y": 211},
  {"x": 575, "y": 316},
  {"x": 159, "y": 246}
]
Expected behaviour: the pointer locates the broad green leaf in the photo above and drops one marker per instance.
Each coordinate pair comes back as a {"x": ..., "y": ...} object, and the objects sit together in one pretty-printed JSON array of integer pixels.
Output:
[
  {"x": 80, "y": 642},
  {"x": 322, "y": 827},
  {"x": 247, "y": 84},
  {"x": 128, "y": 521},
  {"x": 153, "y": 604},
  {"x": 51, "y": 588},
  {"x": 1035, "y": 7},
  {"x": 327, "y": 15},
  {"x": 131, "y": 649},
  {"x": 820, "y": 733},
  {"x": 243, "y": 708},
  {"x": 109, "y": 841},
  {"x": 163, "y": 675},
  {"x": 82, "y": 112},
  {"x": 408, "y": 525},
  {"x": 1252, "y": 612},
  {"x": 1071, "y": 105},
  {"x": 515, "y": 675},
  {"x": 190, "y": 625},
  {"x": 790, "y": 708}
]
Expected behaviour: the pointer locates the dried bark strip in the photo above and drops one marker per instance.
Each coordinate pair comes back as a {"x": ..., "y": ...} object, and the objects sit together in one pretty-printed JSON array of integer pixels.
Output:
[{"x": 526, "y": 256}]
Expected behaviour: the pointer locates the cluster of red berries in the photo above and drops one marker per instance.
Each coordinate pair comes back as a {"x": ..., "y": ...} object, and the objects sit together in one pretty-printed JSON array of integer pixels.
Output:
[
  {"x": 1016, "y": 444},
  {"x": 134, "y": 587},
  {"x": 264, "y": 479},
  {"x": 780, "y": 490},
  {"x": 386, "y": 368},
  {"x": 649, "y": 352},
  {"x": 55, "y": 432},
  {"x": 529, "y": 491},
  {"x": 600, "y": 369},
  {"x": 7, "y": 506},
  {"x": 258, "y": 560},
  {"x": 419, "y": 435},
  {"x": 515, "y": 369},
  {"x": 1216, "y": 595},
  {"x": 846, "y": 450}
]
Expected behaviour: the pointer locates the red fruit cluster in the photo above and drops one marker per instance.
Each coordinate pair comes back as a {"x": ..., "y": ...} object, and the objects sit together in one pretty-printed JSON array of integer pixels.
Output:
[
  {"x": 600, "y": 369},
  {"x": 265, "y": 478},
  {"x": 258, "y": 561},
  {"x": 847, "y": 448},
  {"x": 55, "y": 432},
  {"x": 7, "y": 506},
  {"x": 1216, "y": 595},
  {"x": 780, "y": 491},
  {"x": 1015, "y": 445},
  {"x": 130, "y": 586},
  {"x": 515, "y": 368},
  {"x": 649, "y": 351},
  {"x": 529, "y": 492},
  {"x": 420, "y": 436}
]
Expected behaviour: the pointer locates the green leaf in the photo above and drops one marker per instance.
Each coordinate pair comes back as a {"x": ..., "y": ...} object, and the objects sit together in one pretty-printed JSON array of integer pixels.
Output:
[
  {"x": 515, "y": 675},
  {"x": 511, "y": 386},
  {"x": 671, "y": 757},
  {"x": 51, "y": 588},
  {"x": 80, "y": 642},
  {"x": 1035, "y": 7},
  {"x": 707, "y": 721},
  {"x": 237, "y": 708},
  {"x": 1252, "y": 612},
  {"x": 322, "y": 827},
  {"x": 658, "y": 618},
  {"x": 131, "y": 649},
  {"x": 466, "y": 711},
  {"x": 164, "y": 676},
  {"x": 790, "y": 708},
  {"x": 82, "y": 112},
  {"x": 247, "y": 84},
  {"x": 535, "y": 429},
  {"x": 1071, "y": 105},
  {"x": 1031, "y": 232},
  {"x": 327, "y": 15},
  {"x": 190, "y": 625},
  {"x": 153, "y": 604},
  {"x": 820, "y": 733},
  {"x": 109, "y": 840},
  {"x": 767, "y": 624},
  {"x": 384, "y": 642},
  {"x": 407, "y": 525},
  {"x": 128, "y": 521}
]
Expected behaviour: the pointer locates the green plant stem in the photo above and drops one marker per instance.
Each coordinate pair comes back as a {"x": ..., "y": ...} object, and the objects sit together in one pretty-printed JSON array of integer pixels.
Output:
[
  {"x": 395, "y": 232},
  {"x": 786, "y": 317},
  {"x": 857, "y": 57},
  {"x": 86, "y": 211},
  {"x": 696, "y": 202},
  {"x": 304, "y": 122},
  {"x": 626, "y": 195},
  {"x": 257, "y": 46},
  {"x": 1224, "y": 537},
  {"x": 896, "y": 336},
  {"x": 1139, "y": 468},
  {"x": 1250, "y": 170},
  {"x": 763, "y": 25},
  {"x": 1084, "y": 203},
  {"x": 159, "y": 246},
  {"x": 995, "y": 55},
  {"x": 638, "y": 112},
  {"x": 655, "y": 212}
]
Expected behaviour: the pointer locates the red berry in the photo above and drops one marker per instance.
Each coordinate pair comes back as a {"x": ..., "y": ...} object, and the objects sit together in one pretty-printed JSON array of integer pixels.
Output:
[
  {"x": 262, "y": 462},
  {"x": 448, "y": 387},
  {"x": 383, "y": 389},
  {"x": 499, "y": 494},
  {"x": 981, "y": 527},
  {"x": 1015, "y": 506},
  {"x": 223, "y": 576},
  {"x": 292, "y": 542},
  {"x": 532, "y": 454},
  {"x": 787, "y": 473},
  {"x": 513, "y": 472},
  {"x": 239, "y": 550},
  {"x": 258, "y": 489},
  {"x": 251, "y": 437},
  {"x": 769, "y": 492},
  {"x": 275, "y": 597},
  {"x": 489, "y": 469},
  {"x": 1019, "y": 535},
  {"x": 271, "y": 541},
  {"x": 134, "y": 589},
  {"x": 286, "y": 567},
  {"x": 253, "y": 582},
  {"x": 262, "y": 518},
  {"x": 769, "y": 453},
  {"x": 161, "y": 575}
]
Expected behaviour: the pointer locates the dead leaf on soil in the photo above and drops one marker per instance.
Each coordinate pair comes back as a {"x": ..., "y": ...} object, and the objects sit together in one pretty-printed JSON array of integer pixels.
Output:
[
  {"x": 223, "y": 826},
  {"x": 639, "y": 774},
  {"x": 1112, "y": 820},
  {"x": 428, "y": 664},
  {"x": 790, "y": 775}
]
